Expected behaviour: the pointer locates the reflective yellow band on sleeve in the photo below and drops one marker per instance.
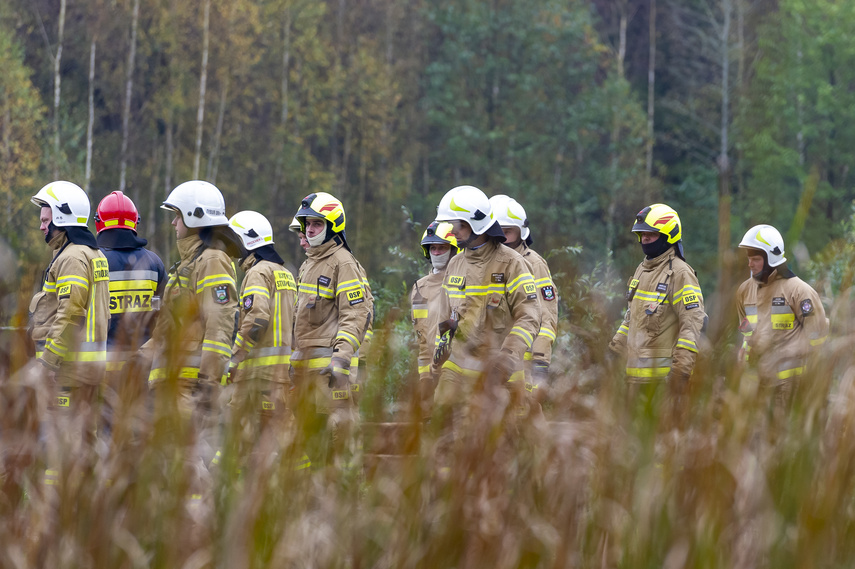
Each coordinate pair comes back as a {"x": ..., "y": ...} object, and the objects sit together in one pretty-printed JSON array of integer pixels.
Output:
[
  {"x": 216, "y": 347},
  {"x": 624, "y": 329},
  {"x": 544, "y": 331},
  {"x": 788, "y": 373},
  {"x": 424, "y": 369},
  {"x": 687, "y": 344},
  {"x": 351, "y": 339},
  {"x": 818, "y": 341},
  {"x": 259, "y": 290},
  {"x": 524, "y": 334}
]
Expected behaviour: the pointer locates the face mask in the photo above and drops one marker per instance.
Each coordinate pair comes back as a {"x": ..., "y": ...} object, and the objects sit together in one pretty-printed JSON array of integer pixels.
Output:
[
  {"x": 317, "y": 239},
  {"x": 439, "y": 262},
  {"x": 653, "y": 250}
]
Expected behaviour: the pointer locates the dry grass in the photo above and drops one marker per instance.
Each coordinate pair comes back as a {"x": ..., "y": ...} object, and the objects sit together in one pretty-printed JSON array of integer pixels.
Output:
[{"x": 604, "y": 483}]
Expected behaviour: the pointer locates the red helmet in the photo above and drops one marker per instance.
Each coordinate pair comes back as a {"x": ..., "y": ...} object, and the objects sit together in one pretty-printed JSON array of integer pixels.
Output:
[{"x": 116, "y": 210}]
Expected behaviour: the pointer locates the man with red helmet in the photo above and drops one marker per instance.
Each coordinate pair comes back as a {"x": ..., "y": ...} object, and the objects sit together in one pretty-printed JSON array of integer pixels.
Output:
[{"x": 137, "y": 276}]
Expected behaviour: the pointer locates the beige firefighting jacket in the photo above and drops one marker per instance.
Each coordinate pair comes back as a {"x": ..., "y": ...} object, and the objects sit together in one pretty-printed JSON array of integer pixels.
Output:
[
  {"x": 782, "y": 323},
  {"x": 541, "y": 349},
  {"x": 362, "y": 352},
  {"x": 332, "y": 311},
  {"x": 425, "y": 301},
  {"x": 492, "y": 294},
  {"x": 194, "y": 332},
  {"x": 661, "y": 329},
  {"x": 262, "y": 347},
  {"x": 70, "y": 316}
]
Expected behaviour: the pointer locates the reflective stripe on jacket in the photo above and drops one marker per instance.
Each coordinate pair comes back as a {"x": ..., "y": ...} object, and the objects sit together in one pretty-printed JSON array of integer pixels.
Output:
[{"x": 425, "y": 305}]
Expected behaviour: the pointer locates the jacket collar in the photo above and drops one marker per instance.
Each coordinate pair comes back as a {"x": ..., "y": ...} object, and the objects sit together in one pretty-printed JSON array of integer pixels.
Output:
[
  {"x": 483, "y": 252},
  {"x": 248, "y": 263},
  {"x": 188, "y": 246},
  {"x": 324, "y": 249},
  {"x": 58, "y": 241},
  {"x": 665, "y": 257}
]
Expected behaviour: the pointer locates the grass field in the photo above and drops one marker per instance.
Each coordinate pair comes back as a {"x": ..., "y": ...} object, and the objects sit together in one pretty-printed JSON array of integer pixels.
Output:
[{"x": 601, "y": 482}]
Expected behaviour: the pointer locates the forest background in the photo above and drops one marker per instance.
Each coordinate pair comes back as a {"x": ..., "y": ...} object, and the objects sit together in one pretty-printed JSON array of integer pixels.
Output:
[{"x": 734, "y": 112}]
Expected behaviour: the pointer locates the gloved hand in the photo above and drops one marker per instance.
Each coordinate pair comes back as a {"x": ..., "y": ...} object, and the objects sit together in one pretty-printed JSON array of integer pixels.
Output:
[
  {"x": 339, "y": 372},
  {"x": 501, "y": 368},
  {"x": 678, "y": 383},
  {"x": 447, "y": 328}
]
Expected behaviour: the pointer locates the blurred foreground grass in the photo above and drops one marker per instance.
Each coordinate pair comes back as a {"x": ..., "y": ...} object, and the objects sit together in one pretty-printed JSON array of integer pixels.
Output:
[{"x": 602, "y": 483}]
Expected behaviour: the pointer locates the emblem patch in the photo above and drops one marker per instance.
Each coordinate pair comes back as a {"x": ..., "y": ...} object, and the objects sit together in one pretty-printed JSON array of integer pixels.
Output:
[
  {"x": 221, "y": 294},
  {"x": 530, "y": 289},
  {"x": 630, "y": 293},
  {"x": 498, "y": 277},
  {"x": 662, "y": 287},
  {"x": 355, "y": 296},
  {"x": 247, "y": 301},
  {"x": 690, "y": 301},
  {"x": 323, "y": 281},
  {"x": 807, "y": 307},
  {"x": 745, "y": 326},
  {"x": 64, "y": 291},
  {"x": 548, "y": 292},
  {"x": 456, "y": 281}
]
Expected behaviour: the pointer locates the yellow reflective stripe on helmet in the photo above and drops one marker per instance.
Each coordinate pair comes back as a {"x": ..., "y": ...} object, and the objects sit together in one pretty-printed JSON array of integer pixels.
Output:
[
  {"x": 687, "y": 344},
  {"x": 216, "y": 347},
  {"x": 214, "y": 280},
  {"x": 351, "y": 339},
  {"x": 524, "y": 334},
  {"x": 259, "y": 290},
  {"x": 647, "y": 371}
]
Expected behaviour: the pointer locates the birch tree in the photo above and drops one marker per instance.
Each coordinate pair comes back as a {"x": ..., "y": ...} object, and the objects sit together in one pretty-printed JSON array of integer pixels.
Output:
[
  {"x": 129, "y": 87},
  {"x": 203, "y": 85}
]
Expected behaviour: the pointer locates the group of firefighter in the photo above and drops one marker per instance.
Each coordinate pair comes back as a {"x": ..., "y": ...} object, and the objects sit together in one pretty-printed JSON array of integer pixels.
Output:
[{"x": 485, "y": 315}]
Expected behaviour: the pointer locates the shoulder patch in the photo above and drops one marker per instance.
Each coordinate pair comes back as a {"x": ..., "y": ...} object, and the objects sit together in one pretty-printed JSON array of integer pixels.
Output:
[
  {"x": 457, "y": 281},
  {"x": 548, "y": 292},
  {"x": 64, "y": 291},
  {"x": 530, "y": 288},
  {"x": 498, "y": 278},
  {"x": 247, "y": 301},
  {"x": 807, "y": 307},
  {"x": 221, "y": 294},
  {"x": 101, "y": 269}
]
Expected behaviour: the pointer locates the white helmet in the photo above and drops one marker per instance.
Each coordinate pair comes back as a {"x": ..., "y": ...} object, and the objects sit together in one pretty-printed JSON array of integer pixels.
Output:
[
  {"x": 200, "y": 204},
  {"x": 252, "y": 228},
  {"x": 469, "y": 204},
  {"x": 765, "y": 238},
  {"x": 68, "y": 203},
  {"x": 295, "y": 225},
  {"x": 509, "y": 213}
]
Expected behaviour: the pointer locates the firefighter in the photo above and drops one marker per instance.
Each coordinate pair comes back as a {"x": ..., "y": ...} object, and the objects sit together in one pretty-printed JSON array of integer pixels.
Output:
[
  {"x": 781, "y": 317},
  {"x": 512, "y": 217},
  {"x": 661, "y": 329},
  {"x": 332, "y": 316},
  {"x": 359, "y": 360},
  {"x": 489, "y": 307},
  {"x": 262, "y": 348},
  {"x": 192, "y": 341},
  {"x": 137, "y": 278},
  {"x": 69, "y": 317},
  {"x": 438, "y": 245}
]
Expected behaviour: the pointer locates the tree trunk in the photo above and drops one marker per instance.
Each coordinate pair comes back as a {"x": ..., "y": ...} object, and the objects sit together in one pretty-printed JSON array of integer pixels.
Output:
[
  {"x": 725, "y": 252},
  {"x": 129, "y": 87},
  {"x": 213, "y": 159},
  {"x": 7, "y": 156},
  {"x": 651, "y": 80},
  {"x": 90, "y": 124},
  {"x": 203, "y": 81},
  {"x": 278, "y": 172},
  {"x": 615, "y": 136},
  {"x": 57, "y": 88}
]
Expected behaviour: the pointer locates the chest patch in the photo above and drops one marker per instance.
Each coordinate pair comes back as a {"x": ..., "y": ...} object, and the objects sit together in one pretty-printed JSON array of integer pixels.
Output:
[
  {"x": 662, "y": 287},
  {"x": 498, "y": 277},
  {"x": 779, "y": 301},
  {"x": 323, "y": 281},
  {"x": 247, "y": 301},
  {"x": 807, "y": 307},
  {"x": 221, "y": 294},
  {"x": 548, "y": 292},
  {"x": 633, "y": 285}
]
